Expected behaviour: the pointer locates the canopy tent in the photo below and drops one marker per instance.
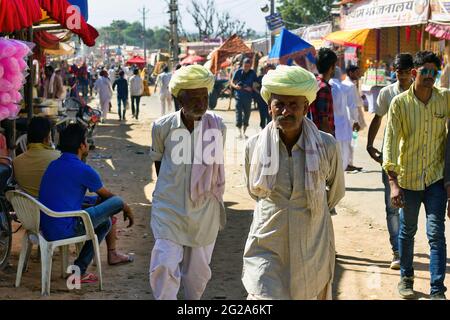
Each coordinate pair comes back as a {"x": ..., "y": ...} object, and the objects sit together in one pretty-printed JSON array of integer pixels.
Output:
[
  {"x": 439, "y": 30},
  {"x": 139, "y": 61},
  {"x": 192, "y": 60},
  {"x": 16, "y": 15},
  {"x": 353, "y": 38},
  {"x": 61, "y": 13},
  {"x": 289, "y": 47},
  {"x": 231, "y": 47}
]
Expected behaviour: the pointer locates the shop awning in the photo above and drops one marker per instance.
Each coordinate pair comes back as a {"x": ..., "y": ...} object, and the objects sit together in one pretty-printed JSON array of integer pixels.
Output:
[
  {"x": 439, "y": 30},
  {"x": 63, "y": 49},
  {"x": 16, "y": 15},
  {"x": 60, "y": 11},
  {"x": 354, "y": 38},
  {"x": 139, "y": 61}
]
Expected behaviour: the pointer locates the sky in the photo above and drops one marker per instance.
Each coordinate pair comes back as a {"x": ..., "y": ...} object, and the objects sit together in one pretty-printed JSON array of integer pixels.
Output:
[{"x": 103, "y": 12}]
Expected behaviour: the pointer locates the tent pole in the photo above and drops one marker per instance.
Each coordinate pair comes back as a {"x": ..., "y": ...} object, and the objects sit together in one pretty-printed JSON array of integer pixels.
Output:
[
  {"x": 398, "y": 40},
  {"x": 29, "y": 83}
]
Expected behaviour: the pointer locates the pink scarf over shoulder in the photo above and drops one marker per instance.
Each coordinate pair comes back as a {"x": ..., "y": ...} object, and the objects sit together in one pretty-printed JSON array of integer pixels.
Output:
[{"x": 208, "y": 174}]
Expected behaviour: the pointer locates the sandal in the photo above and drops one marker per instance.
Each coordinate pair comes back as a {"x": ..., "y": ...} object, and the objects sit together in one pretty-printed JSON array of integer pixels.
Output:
[
  {"x": 89, "y": 278},
  {"x": 124, "y": 258}
]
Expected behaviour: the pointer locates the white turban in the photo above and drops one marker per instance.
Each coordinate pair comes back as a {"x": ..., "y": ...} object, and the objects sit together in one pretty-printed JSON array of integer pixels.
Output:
[
  {"x": 191, "y": 77},
  {"x": 289, "y": 81}
]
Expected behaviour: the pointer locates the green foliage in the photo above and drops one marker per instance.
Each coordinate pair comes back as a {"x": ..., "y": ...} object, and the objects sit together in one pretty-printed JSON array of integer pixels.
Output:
[
  {"x": 121, "y": 32},
  {"x": 303, "y": 12}
]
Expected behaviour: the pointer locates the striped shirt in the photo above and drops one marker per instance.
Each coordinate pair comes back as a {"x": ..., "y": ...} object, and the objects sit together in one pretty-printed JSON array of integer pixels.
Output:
[{"x": 415, "y": 138}]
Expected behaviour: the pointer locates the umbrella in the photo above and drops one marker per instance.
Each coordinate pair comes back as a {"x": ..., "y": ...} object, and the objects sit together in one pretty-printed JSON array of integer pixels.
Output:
[
  {"x": 289, "y": 47},
  {"x": 18, "y": 14},
  {"x": 192, "y": 60},
  {"x": 231, "y": 47}
]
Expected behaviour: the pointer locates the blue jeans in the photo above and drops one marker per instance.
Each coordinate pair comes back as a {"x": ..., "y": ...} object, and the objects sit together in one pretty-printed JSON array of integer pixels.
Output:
[
  {"x": 135, "y": 101},
  {"x": 434, "y": 197},
  {"x": 243, "y": 109},
  {"x": 121, "y": 101},
  {"x": 392, "y": 214},
  {"x": 101, "y": 219},
  {"x": 263, "y": 111}
]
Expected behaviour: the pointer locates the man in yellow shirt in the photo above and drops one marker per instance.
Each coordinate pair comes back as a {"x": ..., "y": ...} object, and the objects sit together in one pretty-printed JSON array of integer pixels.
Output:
[
  {"x": 414, "y": 160},
  {"x": 30, "y": 166}
]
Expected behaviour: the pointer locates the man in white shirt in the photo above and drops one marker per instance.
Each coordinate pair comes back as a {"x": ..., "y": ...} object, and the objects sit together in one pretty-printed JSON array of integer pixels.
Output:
[
  {"x": 187, "y": 205},
  {"x": 136, "y": 90},
  {"x": 403, "y": 65},
  {"x": 354, "y": 103},
  {"x": 164, "y": 95}
]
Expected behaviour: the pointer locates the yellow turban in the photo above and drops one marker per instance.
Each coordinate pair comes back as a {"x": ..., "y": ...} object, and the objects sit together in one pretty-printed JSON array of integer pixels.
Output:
[
  {"x": 289, "y": 81},
  {"x": 191, "y": 77}
]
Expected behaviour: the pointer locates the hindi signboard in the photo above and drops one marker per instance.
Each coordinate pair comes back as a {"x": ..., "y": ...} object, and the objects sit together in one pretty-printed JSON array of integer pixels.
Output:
[
  {"x": 372, "y": 14},
  {"x": 274, "y": 22}
]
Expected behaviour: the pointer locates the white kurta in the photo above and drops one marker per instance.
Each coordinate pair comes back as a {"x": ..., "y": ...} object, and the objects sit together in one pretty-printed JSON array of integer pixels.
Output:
[
  {"x": 289, "y": 253},
  {"x": 104, "y": 88},
  {"x": 174, "y": 216}
]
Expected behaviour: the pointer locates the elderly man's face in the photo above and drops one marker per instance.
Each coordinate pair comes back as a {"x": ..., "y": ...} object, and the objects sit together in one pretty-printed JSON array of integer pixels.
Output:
[
  {"x": 287, "y": 112},
  {"x": 194, "y": 102}
]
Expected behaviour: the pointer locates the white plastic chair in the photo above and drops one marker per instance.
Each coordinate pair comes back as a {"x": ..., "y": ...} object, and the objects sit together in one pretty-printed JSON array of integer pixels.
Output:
[
  {"x": 22, "y": 142},
  {"x": 28, "y": 211}
]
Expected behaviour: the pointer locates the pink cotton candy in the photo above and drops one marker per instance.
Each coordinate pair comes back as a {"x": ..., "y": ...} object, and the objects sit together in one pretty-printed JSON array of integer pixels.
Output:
[
  {"x": 13, "y": 110},
  {"x": 5, "y": 98},
  {"x": 16, "y": 80},
  {"x": 22, "y": 64},
  {"x": 22, "y": 50},
  {"x": 4, "y": 112},
  {"x": 11, "y": 65},
  {"x": 2, "y": 71},
  {"x": 16, "y": 96},
  {"x": 7, "y": 48},
  {"x": 5, "y": 85}
]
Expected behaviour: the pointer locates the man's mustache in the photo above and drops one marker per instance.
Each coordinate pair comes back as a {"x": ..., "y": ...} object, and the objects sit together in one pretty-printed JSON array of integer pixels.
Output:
[{"x": 282, "y": 118}]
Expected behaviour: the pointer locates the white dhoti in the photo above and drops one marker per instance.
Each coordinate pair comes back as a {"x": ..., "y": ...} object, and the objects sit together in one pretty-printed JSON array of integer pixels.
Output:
[
  {"x": 172, "y": 263},
  {"x": 166, "y": 103},
  {"x": 105, "y": 108},
  {"x": 325, "y": 294},
  {"x": 346, "y": 152}
]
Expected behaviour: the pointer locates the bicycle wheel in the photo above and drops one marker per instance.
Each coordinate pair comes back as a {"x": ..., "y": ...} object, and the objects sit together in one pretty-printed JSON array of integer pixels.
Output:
[{"x": 5, "y": 235}]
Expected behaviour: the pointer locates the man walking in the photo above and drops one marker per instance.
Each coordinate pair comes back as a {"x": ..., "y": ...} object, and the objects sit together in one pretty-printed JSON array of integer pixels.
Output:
[
  {"x": 164, "y": 94},
  {"x": 322, "y": 107},
  {"x": 355, "y": 105},
  {"x": 403, "y": 65},
  {"x": 413, "y": 157},
  {"x": 122, "y": 95},
  {"x": 294, "y": 172},
  {"x": 188, "y": 209},
  {"x": 105, "y": 92},
  {"x": 136, "y": 90},
  {"x": 242, "y": 83}
]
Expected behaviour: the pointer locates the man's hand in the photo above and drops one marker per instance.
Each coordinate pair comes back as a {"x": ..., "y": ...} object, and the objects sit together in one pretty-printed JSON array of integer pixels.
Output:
[
  {"x": 375, "y": 154},
  {"x": 356, "y": 127},
  {"x": 397, "y": 197},
  {"x": 128, "y": 215},
  {"x": 238, "y": 87},
  {"x": 248, "y": 89}
]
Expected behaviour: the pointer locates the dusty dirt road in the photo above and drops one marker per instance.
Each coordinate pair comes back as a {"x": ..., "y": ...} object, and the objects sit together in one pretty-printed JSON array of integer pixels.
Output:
[{"x": 362, "y": 269}]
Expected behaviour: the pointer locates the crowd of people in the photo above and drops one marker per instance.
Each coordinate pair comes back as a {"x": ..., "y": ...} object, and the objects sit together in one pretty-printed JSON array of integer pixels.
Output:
[{"x": 294, "y": 171}]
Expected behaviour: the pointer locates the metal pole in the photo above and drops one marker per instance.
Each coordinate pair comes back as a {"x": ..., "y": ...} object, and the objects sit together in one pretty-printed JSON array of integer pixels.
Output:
[
  {"x": 272, "y": 11},
  {"x": 174, "y": 31},
  {"x": 29, "y": 84},
  {"x": 144, "y": 45}
]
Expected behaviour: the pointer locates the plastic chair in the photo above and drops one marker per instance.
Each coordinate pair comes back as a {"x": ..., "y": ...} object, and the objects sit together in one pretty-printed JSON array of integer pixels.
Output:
[
  {"x": 28, "y": 211},
  {"x": 22, "y": 142}
]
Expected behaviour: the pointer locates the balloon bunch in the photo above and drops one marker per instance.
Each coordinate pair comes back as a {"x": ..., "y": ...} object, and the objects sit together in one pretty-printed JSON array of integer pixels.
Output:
[{"x": 13, "y": 70}]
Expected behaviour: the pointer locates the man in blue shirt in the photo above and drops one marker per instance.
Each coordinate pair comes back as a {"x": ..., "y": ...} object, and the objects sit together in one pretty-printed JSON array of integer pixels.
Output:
[
  {"x": 242, "y": 83},
  {"x": 63, "y": 188},
  {"x": 122, "y": 94}
]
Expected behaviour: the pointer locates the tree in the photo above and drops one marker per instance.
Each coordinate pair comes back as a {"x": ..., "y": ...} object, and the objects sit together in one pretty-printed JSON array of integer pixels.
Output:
[
  {"x": 212, "y": 24},
  {"x": 298, "y": 12}
]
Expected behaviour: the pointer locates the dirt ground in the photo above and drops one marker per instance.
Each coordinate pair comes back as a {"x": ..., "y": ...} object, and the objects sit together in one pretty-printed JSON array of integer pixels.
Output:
[{"x": 362, "y": 242}]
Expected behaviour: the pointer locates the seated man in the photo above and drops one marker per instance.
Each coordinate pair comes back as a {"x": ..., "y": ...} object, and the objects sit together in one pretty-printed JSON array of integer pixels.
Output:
[
  {"x": 30, "y": 166},
  {"x": 63, "y": 188}
]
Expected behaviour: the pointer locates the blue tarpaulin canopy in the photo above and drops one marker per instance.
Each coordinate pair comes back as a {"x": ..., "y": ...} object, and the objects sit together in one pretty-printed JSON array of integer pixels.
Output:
[
  {"x": 83, "y": 4},
  {"x": 289, "y": 47}
]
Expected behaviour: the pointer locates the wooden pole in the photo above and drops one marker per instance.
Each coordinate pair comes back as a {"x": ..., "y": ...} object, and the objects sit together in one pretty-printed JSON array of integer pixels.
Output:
[
  {"x": 29, "y": 84},
  {"x": 398, "y": 39}
]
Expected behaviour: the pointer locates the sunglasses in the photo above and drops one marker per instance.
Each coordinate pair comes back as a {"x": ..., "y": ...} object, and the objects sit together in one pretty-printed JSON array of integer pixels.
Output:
[{"x": 428, "y": 72}]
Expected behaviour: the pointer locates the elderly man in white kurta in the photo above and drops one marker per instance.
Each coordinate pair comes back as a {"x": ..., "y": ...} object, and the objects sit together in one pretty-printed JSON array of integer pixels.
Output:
[
  {"x": 294, "y": 172},
  {"x": 187, "y": 208}
]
